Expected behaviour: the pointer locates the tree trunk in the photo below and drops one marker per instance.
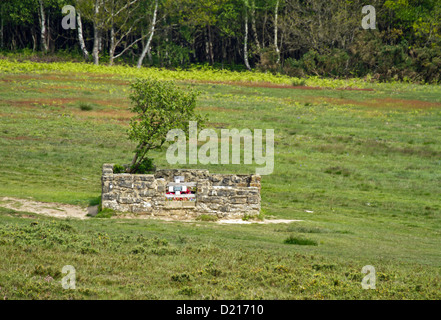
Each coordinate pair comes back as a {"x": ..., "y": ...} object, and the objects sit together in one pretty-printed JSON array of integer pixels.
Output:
[
  {"x": 96, "y": 43},
  {"x": 193, "y": 47},
  {"x": 224, "y": 52},
  {"x": 1, "y": 28},
  {"x": 44, "y": 47},
  {"x": 96, "y": 36},
  {"x": 207, "y": 50},
  {"x": 81, "y": 38},
  {"x": 210, "y": 45},
  {"x": 146, "y": 49},
  {"x": 263, "y": 28},
  {"x": 253, "y": 26},
  {"x": 48, "y": 32},
  {"x": 245, "y": 42},
  {"x": 34, "y": 40},
  {"x": 276, "y": 14},
  {"x": 112, "y": 46},
  {"x": 136, "y": 158}
]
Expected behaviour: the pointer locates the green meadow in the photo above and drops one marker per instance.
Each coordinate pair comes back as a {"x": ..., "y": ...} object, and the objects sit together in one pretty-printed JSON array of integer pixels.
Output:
[{"x": 358, "y": 162}]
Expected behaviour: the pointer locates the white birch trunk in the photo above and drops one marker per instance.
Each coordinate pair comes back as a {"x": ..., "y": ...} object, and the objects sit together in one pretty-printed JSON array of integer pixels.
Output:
[
  {"x": 253, "y": 25},
  {"x": 245, "y": 41},
  {"x": 81, "y": 38},
  {"x": 146, "y": 49},
  {"x": 43, "y": 27},
  {"x": 276, "y": 28},
  {"x": 96, "y": 35},
  {"x": 96, "y": 43},
  {"x": 112, "y": 47}
]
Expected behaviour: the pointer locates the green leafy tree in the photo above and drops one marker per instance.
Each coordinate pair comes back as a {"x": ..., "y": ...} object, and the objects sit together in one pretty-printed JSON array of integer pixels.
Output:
[
  {"x": 160, "y": 106},
  {"x": 423, "y": 17}
]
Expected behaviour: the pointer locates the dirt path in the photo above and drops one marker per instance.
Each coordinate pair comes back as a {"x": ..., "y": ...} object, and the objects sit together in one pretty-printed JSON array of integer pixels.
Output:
[{"x": 57, "y": 210}]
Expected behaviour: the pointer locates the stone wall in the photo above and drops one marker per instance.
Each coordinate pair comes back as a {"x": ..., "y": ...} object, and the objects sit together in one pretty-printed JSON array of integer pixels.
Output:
[{"x": 222, "y": 195}]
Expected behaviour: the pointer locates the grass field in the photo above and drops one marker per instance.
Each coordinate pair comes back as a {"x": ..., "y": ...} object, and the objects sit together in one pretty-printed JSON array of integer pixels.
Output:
[{"x": 361, "y": 168}]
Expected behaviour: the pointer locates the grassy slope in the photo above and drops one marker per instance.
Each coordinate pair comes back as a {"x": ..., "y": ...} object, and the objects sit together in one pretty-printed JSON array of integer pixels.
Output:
[{"x": 367, "y": 163}]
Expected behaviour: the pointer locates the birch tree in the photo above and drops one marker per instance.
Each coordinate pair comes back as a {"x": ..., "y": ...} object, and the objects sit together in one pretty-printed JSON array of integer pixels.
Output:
[
  {"x": 146, "y": 49},
  {"x": 42, "y": 16},
  {"x": 81, "y": 37},
  {"x": 253, "y": 27},
  {"x": 276, "y": 28},
  {"x": 245, "y": 40},
  {"x": 124, "y": 18}
]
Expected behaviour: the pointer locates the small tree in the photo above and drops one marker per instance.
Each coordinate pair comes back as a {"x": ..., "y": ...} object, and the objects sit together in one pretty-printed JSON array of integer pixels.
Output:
[{"x": 160, "y": 107}]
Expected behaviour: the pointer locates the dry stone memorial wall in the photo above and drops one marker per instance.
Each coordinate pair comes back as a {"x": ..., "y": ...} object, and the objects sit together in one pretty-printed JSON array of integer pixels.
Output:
[{"x": 181, "y": 193}]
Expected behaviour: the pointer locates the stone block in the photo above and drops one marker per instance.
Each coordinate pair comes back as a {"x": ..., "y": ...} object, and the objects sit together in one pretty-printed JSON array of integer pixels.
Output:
[
  {"x": 109, "y": 196},
  {"x": 173, "y": 204},
  {"x": 214, "y": 206},
  {"x": 242, "y": 192},
  {"x": 224, "y": 208},
  {"x": 110, "y": 205},
  {"x": 215, "y": 199},
  {"x": 107, "y": 169},
  {"x": 125, "y": 184},
  {"x": 107, "y": 187},
  {"x": 161, "y": 185},
  {"x": 148, "y": 193},
  {"x": 188, "y": 204},
  {"x": 145, "y": 177},
  {"x": 253, "y": 199},
  {"x": 226, "y": 192},
  {"x": 235, "y": 200},
  {"x": 125, "y": 199},
  {"x": 107, "y": 178}
]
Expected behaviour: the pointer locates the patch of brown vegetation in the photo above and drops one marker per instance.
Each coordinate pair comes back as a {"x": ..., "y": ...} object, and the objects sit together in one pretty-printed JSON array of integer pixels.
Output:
[
  {"x": 20, "y": 138},
  {"x": 403, "y": 103},
  {"x": 275, "y": 86},
  {"x": 40, "y": 101},
  {"x": 103, "y": 78},
  {"x": 217, "y": 125},
  {"x": 120, "y": 103},
  {"x": 12, "y": 77},
  {"x": 118, "y": 115},
  {"x": 219, "y": 109},
  {"x": 375, "y": 146},
  {"x": 117, "y": 102},
  {"x": 57, "y": 87},
  {"x": 379, "y": 103},
  {"x": 342, "y": 145}
]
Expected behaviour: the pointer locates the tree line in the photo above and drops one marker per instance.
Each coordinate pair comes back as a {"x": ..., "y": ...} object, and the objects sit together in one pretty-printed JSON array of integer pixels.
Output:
[{"x": 295, "y": 37}]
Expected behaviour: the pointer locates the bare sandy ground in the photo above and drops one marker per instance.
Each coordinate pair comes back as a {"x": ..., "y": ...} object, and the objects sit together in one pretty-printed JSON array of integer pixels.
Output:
[{"x": 59, "y": 210}]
